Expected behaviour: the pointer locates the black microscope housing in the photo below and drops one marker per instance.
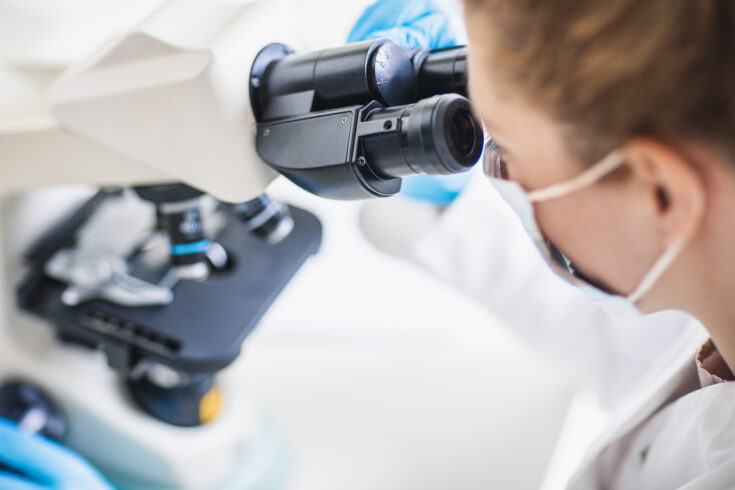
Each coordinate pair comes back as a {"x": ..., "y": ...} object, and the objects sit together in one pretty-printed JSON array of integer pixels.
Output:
[{"x": 351, "y": 122}]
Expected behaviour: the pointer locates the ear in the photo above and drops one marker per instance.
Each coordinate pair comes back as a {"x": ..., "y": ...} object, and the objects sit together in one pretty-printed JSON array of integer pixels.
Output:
[{"x": 674, "y": 188}]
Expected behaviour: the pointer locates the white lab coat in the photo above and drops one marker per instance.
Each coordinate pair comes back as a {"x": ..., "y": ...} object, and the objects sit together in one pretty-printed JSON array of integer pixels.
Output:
[
  {"x": 656, "y": 443},
  {"x": 634, "y": 364}
]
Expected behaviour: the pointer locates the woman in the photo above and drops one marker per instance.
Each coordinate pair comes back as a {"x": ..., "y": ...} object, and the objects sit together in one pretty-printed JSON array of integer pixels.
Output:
[{"x": 615, "y": 118}]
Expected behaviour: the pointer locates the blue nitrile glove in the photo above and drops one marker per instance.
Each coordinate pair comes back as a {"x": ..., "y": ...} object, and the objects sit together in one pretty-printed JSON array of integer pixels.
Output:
[
  {"x": 429, "y": 24},
  {"x": 44, "y": 464}
]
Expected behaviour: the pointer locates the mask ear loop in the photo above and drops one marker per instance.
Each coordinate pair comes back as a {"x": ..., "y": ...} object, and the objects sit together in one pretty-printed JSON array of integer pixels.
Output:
[
  {"x": 658, "y": 268},
  {"x": 590, "y": 176},
  {"x": 665, "y": 260}
]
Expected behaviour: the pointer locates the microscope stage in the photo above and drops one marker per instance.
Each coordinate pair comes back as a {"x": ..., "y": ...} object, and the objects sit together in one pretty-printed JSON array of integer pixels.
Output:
[{"x": 202, "y": 328}]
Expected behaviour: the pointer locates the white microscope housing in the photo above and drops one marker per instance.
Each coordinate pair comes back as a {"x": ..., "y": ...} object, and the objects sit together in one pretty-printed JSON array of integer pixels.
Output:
[{"x": 165, "y": 102}]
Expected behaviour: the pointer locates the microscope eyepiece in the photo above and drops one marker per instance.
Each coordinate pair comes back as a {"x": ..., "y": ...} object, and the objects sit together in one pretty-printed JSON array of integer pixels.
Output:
[
  {"x": 441, "y": 71},
  {"x": 447, "y": 133},
  {"x": 461, "y": 132},
  {"x": 435, "y": 136}
]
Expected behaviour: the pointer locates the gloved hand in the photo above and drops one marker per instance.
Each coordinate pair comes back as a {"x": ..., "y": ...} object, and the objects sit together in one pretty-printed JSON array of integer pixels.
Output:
[
  {"x": 429, "y": 24},
  {"x": 44, "y": 464}
]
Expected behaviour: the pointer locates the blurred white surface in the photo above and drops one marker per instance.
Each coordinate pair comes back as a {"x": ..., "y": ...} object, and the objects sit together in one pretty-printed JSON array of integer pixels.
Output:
[
  {"x": 384, "y": 378},
  {"x": 50, "y": 34}
]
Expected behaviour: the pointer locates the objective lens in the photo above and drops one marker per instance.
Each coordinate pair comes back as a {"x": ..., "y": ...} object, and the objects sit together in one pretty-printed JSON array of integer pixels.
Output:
[{"x": 268, "y": 219}]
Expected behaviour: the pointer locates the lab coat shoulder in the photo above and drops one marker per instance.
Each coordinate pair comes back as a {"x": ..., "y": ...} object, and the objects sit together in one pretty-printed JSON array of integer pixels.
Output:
[
  {"x": 697, "y": 439},
  {"x": 688, "y": 444},
  {"x": 708, "y": 414},
  {"x": 480, "y": 246}
]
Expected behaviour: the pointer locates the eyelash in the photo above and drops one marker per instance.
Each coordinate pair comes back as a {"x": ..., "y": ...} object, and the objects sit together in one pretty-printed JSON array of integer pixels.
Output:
[{"x": 501, "y": 151}]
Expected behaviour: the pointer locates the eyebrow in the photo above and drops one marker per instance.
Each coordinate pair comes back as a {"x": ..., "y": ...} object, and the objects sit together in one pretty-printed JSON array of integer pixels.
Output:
[
  {"x": 490, "y": 130},
  {"x": 488, "y": 125}
]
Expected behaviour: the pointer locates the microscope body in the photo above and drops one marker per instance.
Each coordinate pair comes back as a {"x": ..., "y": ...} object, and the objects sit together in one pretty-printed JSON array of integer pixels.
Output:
[
  {"x": 186, "y": 98},
  {"x": 167, "y": 102}
]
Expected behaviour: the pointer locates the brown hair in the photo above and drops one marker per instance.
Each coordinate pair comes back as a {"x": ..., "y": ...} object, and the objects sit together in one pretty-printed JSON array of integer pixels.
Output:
[{"x": 616, "y": 69}]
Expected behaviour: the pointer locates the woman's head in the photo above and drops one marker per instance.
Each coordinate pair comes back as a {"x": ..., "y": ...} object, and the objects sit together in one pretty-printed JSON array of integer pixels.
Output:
[
  {"x": 560, "y": 83},
  {"x": 616, "y": 69}
]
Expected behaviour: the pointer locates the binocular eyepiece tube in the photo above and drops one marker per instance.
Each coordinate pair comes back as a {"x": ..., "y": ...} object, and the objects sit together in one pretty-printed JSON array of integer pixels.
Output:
[
  {"x": 351, "y": 122},
  {"x": 435, "y": 136}
]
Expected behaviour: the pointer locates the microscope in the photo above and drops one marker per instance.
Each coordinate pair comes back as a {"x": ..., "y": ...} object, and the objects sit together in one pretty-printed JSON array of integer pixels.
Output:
[{"x": 131, "y": 304}]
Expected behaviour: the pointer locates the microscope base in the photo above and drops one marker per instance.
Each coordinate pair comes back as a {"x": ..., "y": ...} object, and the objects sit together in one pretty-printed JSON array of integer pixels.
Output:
[{"x": 241, "y": 449}]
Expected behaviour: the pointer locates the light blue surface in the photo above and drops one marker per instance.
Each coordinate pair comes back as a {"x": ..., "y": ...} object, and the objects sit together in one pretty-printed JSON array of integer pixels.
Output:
[
  {"x": 437, "y": 190},
  {"x": 45, "y": 464},
  {"x": 190, "y": 248},
  {"x": 429, "y": 24}
]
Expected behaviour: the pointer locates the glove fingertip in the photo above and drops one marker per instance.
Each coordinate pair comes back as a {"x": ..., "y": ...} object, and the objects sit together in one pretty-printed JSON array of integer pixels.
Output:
[{"x": 14, "y": 482}]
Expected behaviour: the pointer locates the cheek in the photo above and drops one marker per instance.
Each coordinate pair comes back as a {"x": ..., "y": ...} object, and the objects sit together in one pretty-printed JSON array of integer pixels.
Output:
[{"x": 601, "y": 230}]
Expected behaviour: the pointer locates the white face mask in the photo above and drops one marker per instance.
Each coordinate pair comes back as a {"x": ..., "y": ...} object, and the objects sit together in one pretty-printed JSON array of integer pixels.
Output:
[{"x": 522, "y": 203}]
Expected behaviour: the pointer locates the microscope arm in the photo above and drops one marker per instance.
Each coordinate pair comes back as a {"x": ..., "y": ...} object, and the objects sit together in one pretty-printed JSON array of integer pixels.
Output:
[
  {"x": 165, "y": 102},
  {"x": 45, "y": 154}
]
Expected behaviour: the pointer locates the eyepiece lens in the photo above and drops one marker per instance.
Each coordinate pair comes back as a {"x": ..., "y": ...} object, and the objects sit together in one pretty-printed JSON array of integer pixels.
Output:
[{"x": 462, "y": 132}]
